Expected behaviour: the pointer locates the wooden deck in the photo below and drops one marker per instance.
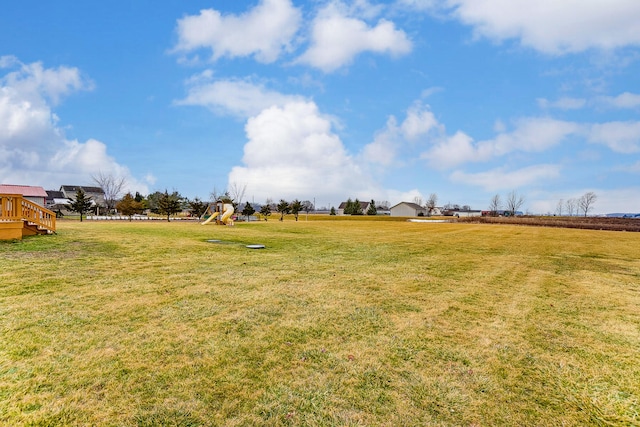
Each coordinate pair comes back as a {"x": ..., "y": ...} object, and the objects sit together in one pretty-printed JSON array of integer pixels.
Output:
[{"x": 20, "y": 217}]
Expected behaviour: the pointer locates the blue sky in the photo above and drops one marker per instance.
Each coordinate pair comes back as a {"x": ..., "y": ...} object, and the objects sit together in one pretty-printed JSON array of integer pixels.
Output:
[{"x": 327, "y": 100}]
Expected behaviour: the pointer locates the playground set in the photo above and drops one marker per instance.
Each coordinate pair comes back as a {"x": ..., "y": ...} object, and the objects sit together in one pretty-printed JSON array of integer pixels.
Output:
[{"x": 221, "y": 212}]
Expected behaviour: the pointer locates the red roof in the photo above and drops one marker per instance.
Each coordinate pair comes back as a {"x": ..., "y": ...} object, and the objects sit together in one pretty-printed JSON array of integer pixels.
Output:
[{"x": 25, "y": 190}]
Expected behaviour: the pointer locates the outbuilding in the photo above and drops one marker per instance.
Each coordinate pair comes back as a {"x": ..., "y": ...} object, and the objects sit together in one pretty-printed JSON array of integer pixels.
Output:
[
  {"x": 34, "y": 194},
  {"x": 408, "y": 209}
]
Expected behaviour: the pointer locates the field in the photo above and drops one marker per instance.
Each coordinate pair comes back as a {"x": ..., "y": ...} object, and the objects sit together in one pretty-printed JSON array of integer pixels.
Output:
[{"x": 334, "y": 323}]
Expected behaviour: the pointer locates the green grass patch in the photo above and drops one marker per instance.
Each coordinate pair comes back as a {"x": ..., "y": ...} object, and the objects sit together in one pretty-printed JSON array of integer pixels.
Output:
[{"x": 336, "y": 322}]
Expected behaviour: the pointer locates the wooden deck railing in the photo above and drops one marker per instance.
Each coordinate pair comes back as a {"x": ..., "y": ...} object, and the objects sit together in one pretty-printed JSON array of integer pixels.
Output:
[{"x": 14, "y": 207}]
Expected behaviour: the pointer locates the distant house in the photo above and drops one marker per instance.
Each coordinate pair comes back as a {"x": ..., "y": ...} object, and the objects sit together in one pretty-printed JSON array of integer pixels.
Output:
[
  {"x": 57, "y": 202},
  {"x": 95, "y": 193},
  {"x": 408, "y": 209},
  {"x": 31, "y": 193},
  {"x": 363, "y": 205}
]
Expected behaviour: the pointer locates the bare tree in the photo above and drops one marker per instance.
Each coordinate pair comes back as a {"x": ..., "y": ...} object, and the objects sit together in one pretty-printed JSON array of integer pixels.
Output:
[
  {"x": 495, "y": 204},
  {"x": 417, "y": 200},
  {"x": 216, "y": 194},
  {"x": 586, "y": 202},
  {"x": 514, "y": 202},
  {"x": 431, "y": 203},
  {"x": 112, "y": 186},
  {"x": 236, "y": 191},
  {"x": 307, "y": 206},
  {"x": 572, "y": 206},
  {"x": 559, "y": 207}
]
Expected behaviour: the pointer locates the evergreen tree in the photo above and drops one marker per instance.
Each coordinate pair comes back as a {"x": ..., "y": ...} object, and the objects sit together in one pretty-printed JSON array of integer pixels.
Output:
[
  {"x": 197, "y": 207},
  {"x": 169, "y": 204},
  {"x": 265, "y": 211},
  {"x": 153, "y": 201},
  {"x": 357, "y": 208},
  {"x": 283, "y": 208},
  {"x": 248, "y": 210},
  {"x": 295, "y": 207},
  {"x": 372, "y": 208},
  {"x": 81, "y": 204},
  {"x": 129, "y": 206},
  {"x": 348, "y": 207},
  {"x": 332, "y": 211}
]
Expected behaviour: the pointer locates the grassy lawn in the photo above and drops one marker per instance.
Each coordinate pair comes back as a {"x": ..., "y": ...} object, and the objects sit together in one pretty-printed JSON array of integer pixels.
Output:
[{"x": 345, "y": 323}]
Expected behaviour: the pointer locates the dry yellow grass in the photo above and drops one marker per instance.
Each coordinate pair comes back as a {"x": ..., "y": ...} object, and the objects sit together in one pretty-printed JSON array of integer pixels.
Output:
[{"x": 335, "y": 323}]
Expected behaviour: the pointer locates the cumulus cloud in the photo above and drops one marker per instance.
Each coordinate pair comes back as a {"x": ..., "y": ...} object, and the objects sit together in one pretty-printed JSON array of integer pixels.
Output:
[
  {"x": 621, "y": 137},
  {"x": 530, "y": 135},
  {"x": 420, "y": 121},
  {"x": 419, "y": 124},
  {"x": 33, "y": 148},
  {"x": 35, "y": 83},
  {"x": 337, "y": 38},
  {"x": 550, "y": 26},
  {"x": 502, "y": 179},
  {"x": 241, "y": 98},
  {"x": 263, "y": 32},
  {"x": 385, "y": 145},
  {"x": 292, "y": 152}
]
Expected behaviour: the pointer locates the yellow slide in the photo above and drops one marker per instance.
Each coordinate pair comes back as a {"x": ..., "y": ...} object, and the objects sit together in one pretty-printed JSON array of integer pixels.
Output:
[
  {"x": 227, "y": 211},
  {"x": 226, "y": 214}
]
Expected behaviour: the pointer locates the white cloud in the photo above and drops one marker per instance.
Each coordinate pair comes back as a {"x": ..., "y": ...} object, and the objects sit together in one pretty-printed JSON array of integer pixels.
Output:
[
  {"x": 502, "y": 179},
  {"x": 624, "y": 100},
  {"x": 337, "y": 38},
  {"x": 530, "y": 135},
  {"x": 292, "y": 152},
  {"x": 383, "y": 149},
  {"x": 451, "y": 151},
  {"x": 621, "y": 137},
  {"x": 238, "y": 97},
  {"x": 553, "y": 26},
  {"x": 419, "y": 124},
  {"x": 33, "y": 148},
  {"x": 264, "y": 31}
]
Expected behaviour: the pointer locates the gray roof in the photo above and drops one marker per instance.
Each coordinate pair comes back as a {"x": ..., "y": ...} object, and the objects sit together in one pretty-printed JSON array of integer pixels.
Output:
[{"x": 410, "y": 204}]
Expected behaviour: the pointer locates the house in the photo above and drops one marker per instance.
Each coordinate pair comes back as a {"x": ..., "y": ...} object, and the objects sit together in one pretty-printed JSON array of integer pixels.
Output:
[
  {"x": 363, "y": 205},
  {"x": 408, "y": 209},
  {"x": 56, "y": 202},
  {"x": 95, "y": 193},
  {"x": 34, "y": 194}
]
